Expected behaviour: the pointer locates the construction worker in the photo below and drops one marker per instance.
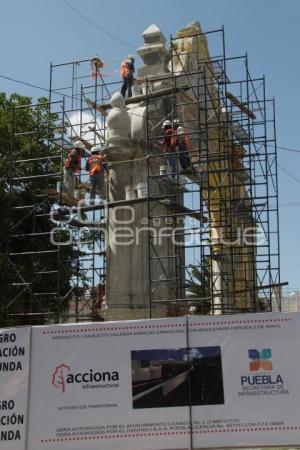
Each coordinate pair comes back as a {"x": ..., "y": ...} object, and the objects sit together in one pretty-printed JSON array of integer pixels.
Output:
[
  {"x": 72, "y": 167},
  {"x": 182, "y": 143},
  {"x": 127, "y": 71},
  {"x": 168, "y": 146},
  {"x": 95, "y": 166}
]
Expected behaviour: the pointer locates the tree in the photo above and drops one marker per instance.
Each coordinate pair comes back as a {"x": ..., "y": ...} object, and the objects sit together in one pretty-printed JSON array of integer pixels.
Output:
[
  {"x": 35, "y": 275},
  {"x": 199, "y": 287}
]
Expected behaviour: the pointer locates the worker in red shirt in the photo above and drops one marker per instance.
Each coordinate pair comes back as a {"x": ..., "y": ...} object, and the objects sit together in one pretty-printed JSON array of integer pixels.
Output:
[
  {"x": 72, "y": 167},
  {"x": 95, "y": 166},
  {"x": 168, "y": 147},
  {"x": 127, "y": 71},
  {"x": 182, "y": 144}
]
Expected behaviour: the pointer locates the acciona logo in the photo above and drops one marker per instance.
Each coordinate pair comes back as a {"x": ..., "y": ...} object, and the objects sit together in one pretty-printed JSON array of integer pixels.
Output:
[
  {"x": 63, "y": 376},
  {"x": 58, "y": 378}
]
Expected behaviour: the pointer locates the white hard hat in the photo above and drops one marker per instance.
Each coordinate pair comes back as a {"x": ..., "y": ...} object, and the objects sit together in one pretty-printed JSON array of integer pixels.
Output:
[
  {"x": 95, "y": 149},
  {"x": 192, "y": 309},
  {"x": 79, "y": 144},
  {"x": 176, "y": 122},
  {"x": 166, "y": 123}
]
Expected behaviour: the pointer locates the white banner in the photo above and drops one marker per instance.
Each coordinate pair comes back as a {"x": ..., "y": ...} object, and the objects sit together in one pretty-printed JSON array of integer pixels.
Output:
[
  {"x": 125, "y": 385},
  {"x": 14, "y": 380},
  {"x": 101, "y": 386},
  {"x": 257, "y": 377}
]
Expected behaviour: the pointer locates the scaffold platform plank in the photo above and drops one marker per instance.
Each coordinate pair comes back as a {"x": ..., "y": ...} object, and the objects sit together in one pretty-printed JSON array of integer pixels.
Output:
[
  {"x": 240, "y": 105},
  {"x": 65, "y": 198},
  {"x": 181, "y": 210},
  {"x": 102, "y": 108},
  {"x": 87, "y": 187}
]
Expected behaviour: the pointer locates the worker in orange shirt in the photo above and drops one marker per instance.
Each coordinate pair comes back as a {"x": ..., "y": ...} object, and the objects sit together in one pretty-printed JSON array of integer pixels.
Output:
[
  {"x": 127, "y": 71},
  {"x": 95, "y": 166},
  {"x": 72, "y": 167}
]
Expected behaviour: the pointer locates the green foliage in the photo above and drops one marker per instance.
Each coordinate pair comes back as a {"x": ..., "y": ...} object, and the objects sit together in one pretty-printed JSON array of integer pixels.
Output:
[
  {"x": 199, "y": 287},
  {"x": 24, "y": 130}
]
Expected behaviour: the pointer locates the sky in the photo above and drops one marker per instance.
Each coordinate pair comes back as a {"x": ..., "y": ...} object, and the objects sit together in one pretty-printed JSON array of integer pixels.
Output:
[{"x": 34, "y": 33}]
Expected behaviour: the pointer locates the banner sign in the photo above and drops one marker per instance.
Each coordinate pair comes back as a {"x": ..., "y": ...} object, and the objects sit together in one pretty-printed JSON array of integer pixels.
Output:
[
  {"x": 176, "y": 383},
  {"x": 250, "y": 394},
  {"x": 108, "y": 385},
  {"x": 14, "y": 385}
]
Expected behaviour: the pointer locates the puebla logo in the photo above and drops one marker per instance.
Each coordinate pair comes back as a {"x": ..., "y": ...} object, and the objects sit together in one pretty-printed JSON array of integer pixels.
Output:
[
  {"x": 63, "y": 376},
  {"x": 260, "y": 360},
  {"x": 261, "y": 363}
]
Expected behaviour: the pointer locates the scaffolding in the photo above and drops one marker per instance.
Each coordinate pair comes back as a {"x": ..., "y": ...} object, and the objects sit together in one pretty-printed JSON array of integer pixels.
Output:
[
  {"x": 226, "y": 218},
  {"x": 222, "y": 253},
  {"x": 65, "y": 261}
]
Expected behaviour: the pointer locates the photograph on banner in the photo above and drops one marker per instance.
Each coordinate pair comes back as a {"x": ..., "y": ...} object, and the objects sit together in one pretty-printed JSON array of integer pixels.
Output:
[
  {"x": 14, "y": 385},
  {"x": 177, "y": 377}
]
